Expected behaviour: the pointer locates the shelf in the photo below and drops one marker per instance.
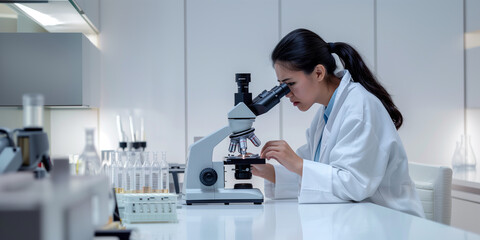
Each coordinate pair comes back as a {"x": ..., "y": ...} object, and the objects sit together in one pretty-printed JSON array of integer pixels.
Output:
[{"x": 57, "y": 16}]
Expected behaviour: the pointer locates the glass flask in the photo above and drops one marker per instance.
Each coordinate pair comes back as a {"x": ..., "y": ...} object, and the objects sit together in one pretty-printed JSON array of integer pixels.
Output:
[
  {"x": 146, "y": 173},
  {"x": 165, "y": 178},
  {"x": 457, "y": 159},
  {"x": 156, "y": 174},
  {"x": 470, "y": 159},
  {"x": 89, "y": 157}
]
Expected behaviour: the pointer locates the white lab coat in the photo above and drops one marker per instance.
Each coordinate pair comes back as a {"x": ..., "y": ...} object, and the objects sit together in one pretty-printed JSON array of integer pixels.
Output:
[{"x": 361, "y": 157}]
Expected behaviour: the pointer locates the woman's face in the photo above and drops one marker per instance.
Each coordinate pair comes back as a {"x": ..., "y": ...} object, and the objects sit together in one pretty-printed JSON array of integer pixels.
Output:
[{"x": 305, "y": 89}]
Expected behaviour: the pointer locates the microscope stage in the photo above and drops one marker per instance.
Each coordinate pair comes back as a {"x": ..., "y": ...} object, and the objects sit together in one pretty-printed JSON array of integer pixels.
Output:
[{"x": 252, "y": 159}]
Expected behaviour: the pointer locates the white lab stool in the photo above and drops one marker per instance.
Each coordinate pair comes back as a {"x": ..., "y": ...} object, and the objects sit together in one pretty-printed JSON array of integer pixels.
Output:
[{"x": 433, "y": 184}]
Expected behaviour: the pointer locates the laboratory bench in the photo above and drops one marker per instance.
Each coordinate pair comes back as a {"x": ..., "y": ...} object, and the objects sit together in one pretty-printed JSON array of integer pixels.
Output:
[{"x": 286, "y": 219}]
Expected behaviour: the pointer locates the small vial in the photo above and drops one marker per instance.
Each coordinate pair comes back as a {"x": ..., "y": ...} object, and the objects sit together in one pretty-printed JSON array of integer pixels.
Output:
[
  {"x": 156, "y": 172},
  {"x": 165, "y": 173},
  {"x": 146, "y": 172}
]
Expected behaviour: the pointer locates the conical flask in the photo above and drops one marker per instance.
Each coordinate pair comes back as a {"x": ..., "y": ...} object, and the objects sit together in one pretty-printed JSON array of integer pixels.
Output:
[
  {"x": 89, "y": 157},
  {"x": 470, "y": 159},
  {"x": 457, "y": 161}
]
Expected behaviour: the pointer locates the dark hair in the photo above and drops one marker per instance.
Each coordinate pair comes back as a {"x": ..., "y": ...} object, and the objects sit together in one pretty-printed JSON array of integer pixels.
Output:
[{"x": 302, "y": 50}]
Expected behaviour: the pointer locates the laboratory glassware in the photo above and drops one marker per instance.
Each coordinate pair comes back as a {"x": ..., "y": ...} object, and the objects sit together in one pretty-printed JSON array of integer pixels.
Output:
[
  {"x": 470, "y": 159},
  {"x": 138, "y": 179},
  {"x": 119, "y": 172},
  {"x": 129, "y": 171},
  {"x": 89, "y": 156},
  {"x": 33, "y": 110},
  {"x": 147, "y": 172},
  {"x": 165, "y": 173},
  {"x": 156, "y": 174}
]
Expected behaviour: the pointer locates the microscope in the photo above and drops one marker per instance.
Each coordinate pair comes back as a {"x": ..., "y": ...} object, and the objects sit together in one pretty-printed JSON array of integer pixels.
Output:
[
  {"x": 32, "y": 142},
  {"x": 204, "y": 178}
]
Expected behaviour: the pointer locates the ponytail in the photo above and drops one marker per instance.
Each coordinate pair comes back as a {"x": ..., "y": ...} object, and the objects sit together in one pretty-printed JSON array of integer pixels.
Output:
[
  {"x": 361, "y": 74},
  {"x": 302, "y": 50}
]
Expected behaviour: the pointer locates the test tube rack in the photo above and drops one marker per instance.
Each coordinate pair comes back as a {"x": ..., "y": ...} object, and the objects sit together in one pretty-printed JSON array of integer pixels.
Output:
[{"x": 147, "y": 207}]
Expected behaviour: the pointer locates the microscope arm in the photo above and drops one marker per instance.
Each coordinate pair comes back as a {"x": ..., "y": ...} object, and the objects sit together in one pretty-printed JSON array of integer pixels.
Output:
[{"x": 200, "y": 156}]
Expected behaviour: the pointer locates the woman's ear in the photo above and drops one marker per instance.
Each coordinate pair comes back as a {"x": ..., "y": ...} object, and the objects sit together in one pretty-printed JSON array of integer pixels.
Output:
[{"x": 319, "y": 72}]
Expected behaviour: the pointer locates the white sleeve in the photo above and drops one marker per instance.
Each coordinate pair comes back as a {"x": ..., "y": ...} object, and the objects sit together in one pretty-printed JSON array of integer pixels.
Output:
[
  {"x": 287, "y": 184},
  {"x": 357, "y": 166}
]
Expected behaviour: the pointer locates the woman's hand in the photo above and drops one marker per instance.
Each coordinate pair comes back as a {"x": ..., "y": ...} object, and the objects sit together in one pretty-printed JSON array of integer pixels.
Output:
[
  {"x": 266, "y": 171},
  {"x": 283, "y": 153}
]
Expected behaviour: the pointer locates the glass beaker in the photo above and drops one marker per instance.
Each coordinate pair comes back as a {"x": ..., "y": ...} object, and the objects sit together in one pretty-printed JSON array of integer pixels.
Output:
[{"x": 33, "y": 110}]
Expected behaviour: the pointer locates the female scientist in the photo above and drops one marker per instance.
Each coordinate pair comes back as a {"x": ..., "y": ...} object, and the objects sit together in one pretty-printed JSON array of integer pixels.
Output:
[{"x": 353, "y": 150}]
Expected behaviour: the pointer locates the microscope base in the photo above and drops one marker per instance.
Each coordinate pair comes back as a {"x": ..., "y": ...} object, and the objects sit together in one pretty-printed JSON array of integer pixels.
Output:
[
  {"x": 225, "y": 201},
  {"x": 225, "y": 196}
]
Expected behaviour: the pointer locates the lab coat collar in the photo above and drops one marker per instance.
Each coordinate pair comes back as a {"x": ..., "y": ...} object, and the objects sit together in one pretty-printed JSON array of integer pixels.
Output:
[{"x": 338, "y": 102}]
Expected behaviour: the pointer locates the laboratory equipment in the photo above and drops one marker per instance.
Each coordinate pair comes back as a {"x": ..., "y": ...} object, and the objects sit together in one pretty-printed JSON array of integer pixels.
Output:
[
  {"x": 138, "y": 140},
  {"x": 165, "y": 177},
  {"x": 119, "y": 172},
  {"x": 89, "y": 156},
  {"x": 176, "y": 169},
  {"x": 204, "y": 177},
  {"x": 130, "y": 173},
  {"x": 156, "y": 174},
  {"x": 55, "y": 208},
  {"x": 138, "y": 179},
  {"x": 464, "y": 159},
  {"x": 148, "y": 207},
  {"x": 31, "y": 147},
  {"x": 146, "y": 173}
]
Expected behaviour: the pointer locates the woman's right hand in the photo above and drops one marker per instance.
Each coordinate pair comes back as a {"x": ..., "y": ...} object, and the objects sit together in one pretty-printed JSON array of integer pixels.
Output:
[{"x": 266, "y": 171}]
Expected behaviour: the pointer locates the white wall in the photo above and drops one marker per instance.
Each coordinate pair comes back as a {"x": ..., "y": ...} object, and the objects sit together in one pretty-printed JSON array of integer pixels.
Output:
[
  {"x": 472, "y": 83},
  {"x": 347, "y": 21},
  {"x": 420, "y": 61},
  {"x": 224, "y": 38},
  {"x": 143, "y": 72}
]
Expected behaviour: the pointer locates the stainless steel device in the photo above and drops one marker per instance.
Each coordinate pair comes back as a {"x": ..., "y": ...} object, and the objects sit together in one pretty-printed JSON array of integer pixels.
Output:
[
  {"x": 31, "y": 147},
  {"x": 204, "y": 178}
]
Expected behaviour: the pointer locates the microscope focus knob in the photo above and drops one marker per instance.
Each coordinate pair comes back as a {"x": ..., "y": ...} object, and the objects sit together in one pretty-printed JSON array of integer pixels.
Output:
[{"x": 208, "y": 176}]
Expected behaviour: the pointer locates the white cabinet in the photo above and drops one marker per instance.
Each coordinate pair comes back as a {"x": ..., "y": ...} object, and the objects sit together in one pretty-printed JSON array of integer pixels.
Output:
[
  {"x": 64, "y": 67},
  {"x": 224, "y": 38},
  {"x": 347, "y": 21}
]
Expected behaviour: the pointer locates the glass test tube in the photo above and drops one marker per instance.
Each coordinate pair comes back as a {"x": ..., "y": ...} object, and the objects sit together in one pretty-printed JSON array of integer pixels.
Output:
[
  {"x": 165, "y": 173},
  {"x": 156, "y": 172},
  {"x": 129, "y": 171},
  {"x": 119, "y": 172},
  {"x": 138, "y": 180},
  {"x": 146, "y": 172}
]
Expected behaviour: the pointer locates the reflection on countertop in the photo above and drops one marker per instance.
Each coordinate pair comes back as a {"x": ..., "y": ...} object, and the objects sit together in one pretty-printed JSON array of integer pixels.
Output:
[{"x": 286, "y": 219}]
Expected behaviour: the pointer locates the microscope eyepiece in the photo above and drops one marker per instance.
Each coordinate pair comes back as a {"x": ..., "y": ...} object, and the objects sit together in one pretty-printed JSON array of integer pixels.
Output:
[
  {"x": 268, "y": 99},
  {"x": 243, "y": 95}
]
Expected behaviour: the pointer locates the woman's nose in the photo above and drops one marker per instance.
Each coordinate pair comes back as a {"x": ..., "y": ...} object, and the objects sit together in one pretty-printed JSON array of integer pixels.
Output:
[{"x": 289, "y": 95}]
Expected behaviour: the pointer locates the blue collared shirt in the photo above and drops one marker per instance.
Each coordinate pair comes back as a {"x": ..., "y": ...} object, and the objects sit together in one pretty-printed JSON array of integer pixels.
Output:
[{"x": 326, "y": 115}]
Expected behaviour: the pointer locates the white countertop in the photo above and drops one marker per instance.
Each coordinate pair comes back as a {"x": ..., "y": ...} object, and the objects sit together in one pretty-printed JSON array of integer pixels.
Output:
[{"x": 286, "y": 219}]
